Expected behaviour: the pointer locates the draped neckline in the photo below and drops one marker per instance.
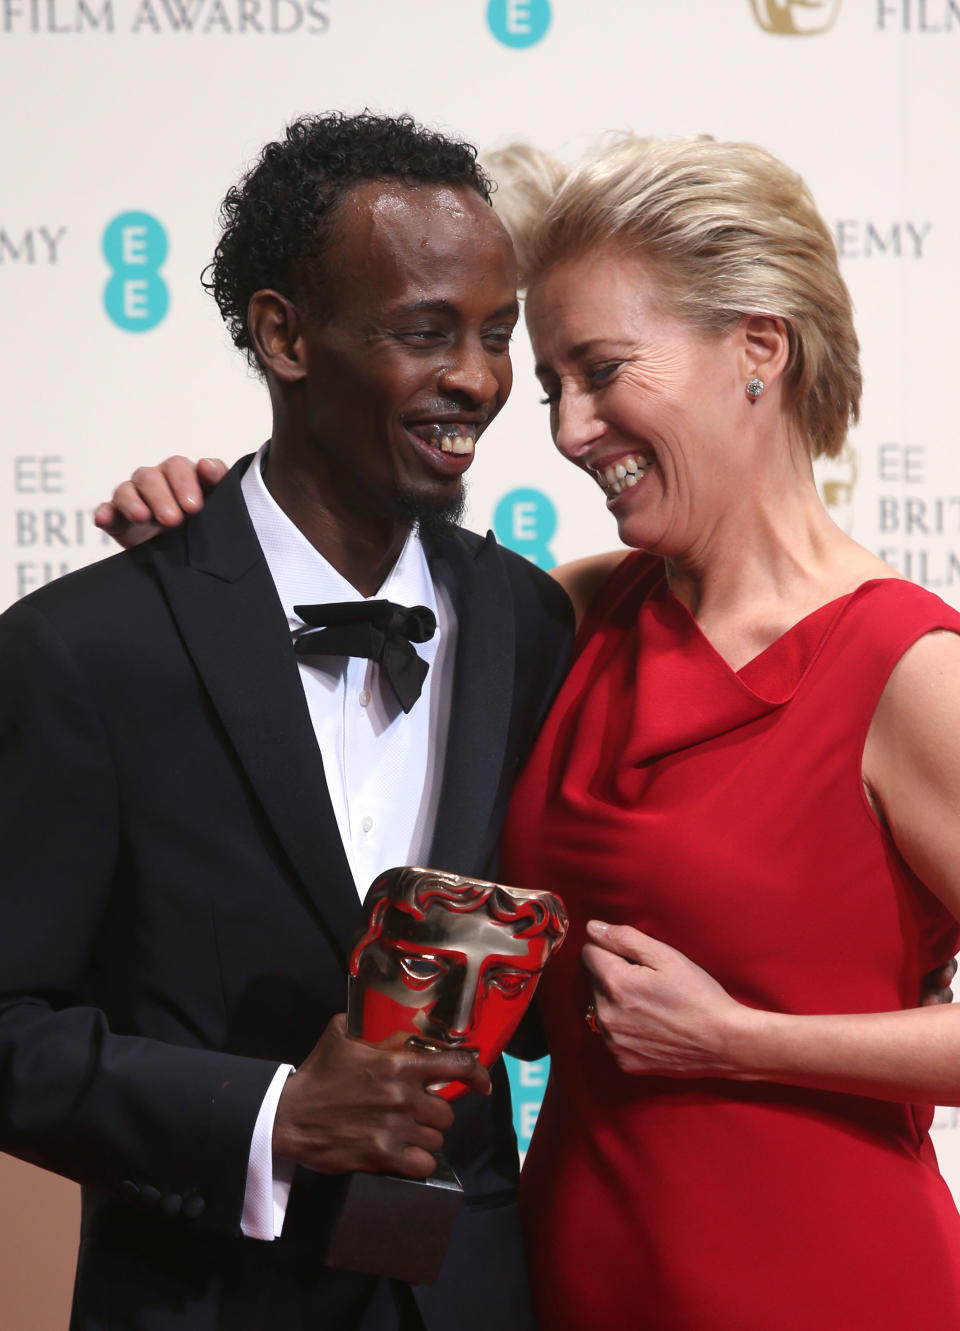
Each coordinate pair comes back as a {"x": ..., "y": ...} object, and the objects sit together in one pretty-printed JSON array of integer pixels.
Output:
[{"x": 682, "y": 690}]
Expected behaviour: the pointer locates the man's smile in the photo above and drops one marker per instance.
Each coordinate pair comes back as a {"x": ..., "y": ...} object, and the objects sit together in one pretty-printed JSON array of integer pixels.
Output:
[{"x": 447, "y": 436}]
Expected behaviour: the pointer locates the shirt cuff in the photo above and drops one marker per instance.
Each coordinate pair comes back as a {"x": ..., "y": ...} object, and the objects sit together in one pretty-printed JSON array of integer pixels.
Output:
[{"x": 267, "y": 1189}]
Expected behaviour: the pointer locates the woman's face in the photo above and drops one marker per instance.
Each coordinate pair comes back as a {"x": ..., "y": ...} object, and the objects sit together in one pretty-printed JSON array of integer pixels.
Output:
[{"x": 654, "y": 410}]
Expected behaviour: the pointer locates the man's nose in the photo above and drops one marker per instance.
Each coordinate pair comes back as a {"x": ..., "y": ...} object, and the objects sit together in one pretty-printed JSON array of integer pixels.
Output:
[{"x": 468, "y": 371}]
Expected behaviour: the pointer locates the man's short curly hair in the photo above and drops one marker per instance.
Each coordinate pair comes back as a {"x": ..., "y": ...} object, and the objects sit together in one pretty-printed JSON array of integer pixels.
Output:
[{"x": 277, "y": 221}]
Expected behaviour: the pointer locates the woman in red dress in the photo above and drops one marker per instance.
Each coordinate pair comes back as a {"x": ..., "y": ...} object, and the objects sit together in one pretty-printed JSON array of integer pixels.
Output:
[{"x": 747, "y": 792}]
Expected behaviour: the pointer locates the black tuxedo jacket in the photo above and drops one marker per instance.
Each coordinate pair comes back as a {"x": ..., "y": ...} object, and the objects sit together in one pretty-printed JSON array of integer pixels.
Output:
[{"x": 176, "y": 912}]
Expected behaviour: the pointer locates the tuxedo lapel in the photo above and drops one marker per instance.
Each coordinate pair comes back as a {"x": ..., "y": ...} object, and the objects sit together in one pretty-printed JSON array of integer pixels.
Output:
[
  {"x": 477, "y": 583},
  {"x": 226, "y": 606}
]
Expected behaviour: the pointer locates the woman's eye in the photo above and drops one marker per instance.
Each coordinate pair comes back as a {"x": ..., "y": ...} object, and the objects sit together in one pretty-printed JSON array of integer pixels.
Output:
[
  {"x": 601, "y": 373},
  {"x": 550, "y": 399}
]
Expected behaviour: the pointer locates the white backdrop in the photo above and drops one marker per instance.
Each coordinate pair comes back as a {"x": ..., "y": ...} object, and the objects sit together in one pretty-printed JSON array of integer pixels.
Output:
[{"x": 126, "y": 120}]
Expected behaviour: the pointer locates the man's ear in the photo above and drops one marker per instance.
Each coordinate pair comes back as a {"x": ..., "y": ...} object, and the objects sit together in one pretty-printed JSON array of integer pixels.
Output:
[
  {"x": 765, "y": 347},
  {"x": 275, "y": 328}
]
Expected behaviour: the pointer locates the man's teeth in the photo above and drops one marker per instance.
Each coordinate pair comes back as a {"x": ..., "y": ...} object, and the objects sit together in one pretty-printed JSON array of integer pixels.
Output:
[
  {"x": 621, "y": 474},
  {"x": 449, "y": 438},
  {"x": 457, "y": 443}
]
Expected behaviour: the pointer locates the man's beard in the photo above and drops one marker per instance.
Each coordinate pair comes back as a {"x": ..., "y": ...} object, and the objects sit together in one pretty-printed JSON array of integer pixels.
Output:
[{"x": 433, "y": 516}]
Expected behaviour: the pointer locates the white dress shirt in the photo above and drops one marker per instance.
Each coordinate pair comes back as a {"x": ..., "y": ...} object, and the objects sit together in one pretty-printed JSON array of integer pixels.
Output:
[{"x": 383, "y": 767}]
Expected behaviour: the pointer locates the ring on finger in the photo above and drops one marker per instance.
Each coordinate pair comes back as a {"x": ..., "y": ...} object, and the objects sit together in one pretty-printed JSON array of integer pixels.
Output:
[{"x": 592, "y": 1020}]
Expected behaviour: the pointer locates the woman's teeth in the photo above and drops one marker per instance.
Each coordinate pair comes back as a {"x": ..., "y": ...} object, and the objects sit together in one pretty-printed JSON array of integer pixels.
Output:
[{"x": 621, "y": 474}]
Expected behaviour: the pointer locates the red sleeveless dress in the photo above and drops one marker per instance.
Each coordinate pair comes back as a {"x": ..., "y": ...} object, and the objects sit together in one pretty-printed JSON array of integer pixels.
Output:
[{"x": 723, "y": 812}]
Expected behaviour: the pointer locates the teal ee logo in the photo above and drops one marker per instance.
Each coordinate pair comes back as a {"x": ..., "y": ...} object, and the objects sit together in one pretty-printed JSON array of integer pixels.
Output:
[
  {"x": 525, "y": 521},
  {"x": 527, "y": 1084},
  {"x": 136, "y": 297},
  {"x": 519, "y": 23}
]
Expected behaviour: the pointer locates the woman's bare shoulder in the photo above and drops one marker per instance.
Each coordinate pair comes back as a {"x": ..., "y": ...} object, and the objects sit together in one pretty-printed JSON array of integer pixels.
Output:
[{"x": 581, "y": 579}]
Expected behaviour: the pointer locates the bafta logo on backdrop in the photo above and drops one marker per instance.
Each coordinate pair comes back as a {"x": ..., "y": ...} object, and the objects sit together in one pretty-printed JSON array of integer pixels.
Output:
[
  {"x": 796, "y": 18},
  {"x": 837, "y": 482}
]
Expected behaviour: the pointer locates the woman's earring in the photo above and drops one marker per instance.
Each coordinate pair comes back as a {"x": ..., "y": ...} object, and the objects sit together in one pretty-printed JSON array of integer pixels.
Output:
[{"x": 754, "y": 389}]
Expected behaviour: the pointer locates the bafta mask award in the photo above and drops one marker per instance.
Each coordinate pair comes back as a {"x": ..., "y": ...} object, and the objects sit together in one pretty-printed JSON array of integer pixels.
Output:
[{"x": 453, "y": 963}]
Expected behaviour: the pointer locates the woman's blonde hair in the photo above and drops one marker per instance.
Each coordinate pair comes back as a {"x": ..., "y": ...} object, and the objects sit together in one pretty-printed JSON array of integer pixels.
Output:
[{"x": 728, "y": 230}]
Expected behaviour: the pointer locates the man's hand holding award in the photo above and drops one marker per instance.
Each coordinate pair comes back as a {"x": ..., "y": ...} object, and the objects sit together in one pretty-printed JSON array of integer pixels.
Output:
[{"x": 446, "y": 965}]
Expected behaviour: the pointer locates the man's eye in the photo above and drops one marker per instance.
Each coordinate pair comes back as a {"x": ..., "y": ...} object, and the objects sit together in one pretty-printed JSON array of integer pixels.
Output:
[
  {"x": 420, "y": 971},
  {"x": 500, "y": 338},
  {"x": 510, "y": 983},
  {"x": 422, "y": 336},
  {"x": 550, "y": 398}
]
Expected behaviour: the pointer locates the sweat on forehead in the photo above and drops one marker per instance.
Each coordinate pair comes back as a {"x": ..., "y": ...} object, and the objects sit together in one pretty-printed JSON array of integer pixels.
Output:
[{"x": 410, "y": 242}]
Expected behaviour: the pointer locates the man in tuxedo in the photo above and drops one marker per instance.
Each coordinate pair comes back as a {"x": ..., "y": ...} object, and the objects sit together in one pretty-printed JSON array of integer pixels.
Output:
[{"x": 199, "y": 787}]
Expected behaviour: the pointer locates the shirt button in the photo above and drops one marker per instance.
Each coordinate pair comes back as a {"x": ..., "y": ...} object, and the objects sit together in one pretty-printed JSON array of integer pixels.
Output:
[
  {"x": 364, "y": 698},
  {"x": 366, "y": 822}
]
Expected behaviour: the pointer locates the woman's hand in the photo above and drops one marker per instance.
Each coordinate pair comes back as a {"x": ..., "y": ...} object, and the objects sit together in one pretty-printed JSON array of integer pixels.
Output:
[
  {"x": 658, "y": 1013},
  {"x": 936, "y": 985},
  {"x": 661, "y": 1015},
  {"x": 158, "y": 497}
]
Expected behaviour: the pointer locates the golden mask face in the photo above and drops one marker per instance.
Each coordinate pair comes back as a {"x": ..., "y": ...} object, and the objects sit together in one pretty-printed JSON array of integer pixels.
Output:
[
  {"x": 451, "y": 962},
  {"x": 796, "y": 18},
  {"x": 837, "y": 482}
]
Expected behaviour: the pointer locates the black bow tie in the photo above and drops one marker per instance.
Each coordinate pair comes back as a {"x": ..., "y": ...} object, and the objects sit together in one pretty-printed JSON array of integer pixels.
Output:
[{"x": 380, "y": 630}]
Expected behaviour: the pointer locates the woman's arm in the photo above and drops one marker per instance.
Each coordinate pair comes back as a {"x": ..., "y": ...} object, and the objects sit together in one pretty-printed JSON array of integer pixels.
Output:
[
  {"x": 661, "y": 1014},
  {"x": 581, "y": 579},
  {"x": 911, "y": 762}
]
